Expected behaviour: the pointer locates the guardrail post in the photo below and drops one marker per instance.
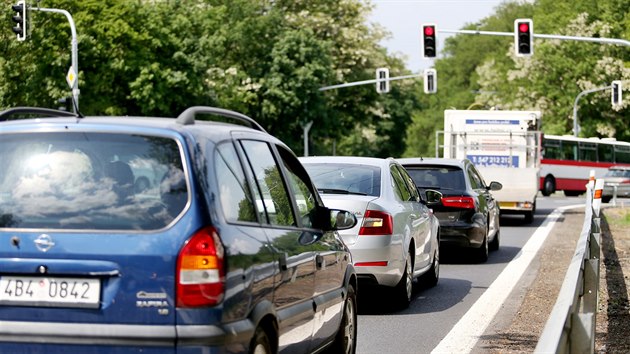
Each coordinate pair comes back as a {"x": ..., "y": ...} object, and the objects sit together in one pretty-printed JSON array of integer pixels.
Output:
[
  {"x": 591, "y": 272},
  {"x": 582, "y": 325}
]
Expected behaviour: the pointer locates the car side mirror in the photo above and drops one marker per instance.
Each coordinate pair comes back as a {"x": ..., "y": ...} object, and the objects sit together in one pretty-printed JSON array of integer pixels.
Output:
[
  {"x": 432, "y": 196},
  {"x": 334, "y": 219},
  {"x": 342, "y": 220},
  {"x": 495, "y": 186}
]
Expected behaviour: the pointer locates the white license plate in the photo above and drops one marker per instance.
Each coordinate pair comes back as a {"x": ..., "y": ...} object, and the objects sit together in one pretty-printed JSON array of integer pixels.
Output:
[{"x": 51, "y": 292}]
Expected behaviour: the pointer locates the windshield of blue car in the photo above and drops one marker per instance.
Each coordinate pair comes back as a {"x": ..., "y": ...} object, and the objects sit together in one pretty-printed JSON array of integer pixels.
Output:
[
  {"x": 345, "y": 178},
  {"x": 90, "y": 181}
]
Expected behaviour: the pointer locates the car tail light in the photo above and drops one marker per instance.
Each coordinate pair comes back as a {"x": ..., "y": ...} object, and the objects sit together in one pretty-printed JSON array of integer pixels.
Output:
[
  {"x": 200, "y": 270},
  {"x": 371, "y": 264},
  {"x": 625, "y": 181},
  {"x": 376, "y": 223},
  {"x": 459, "y": 202}
]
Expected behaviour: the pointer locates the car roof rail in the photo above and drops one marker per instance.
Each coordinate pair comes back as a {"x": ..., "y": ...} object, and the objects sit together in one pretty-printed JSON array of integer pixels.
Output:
[
  {"x": 187, "y": 117},
  {"x": 46, "y": 112}
]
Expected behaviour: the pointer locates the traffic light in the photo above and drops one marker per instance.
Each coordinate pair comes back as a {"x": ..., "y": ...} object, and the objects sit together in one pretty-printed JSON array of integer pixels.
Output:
[
  {"x": 615, "y": 96},
  {"x": 382, "y": 80},
  {"x": 20, "y": 20},
  {"x": 429, "y": 49},
  {"x": 430, "y": 81},
  {"x": 523, "y": 37}
]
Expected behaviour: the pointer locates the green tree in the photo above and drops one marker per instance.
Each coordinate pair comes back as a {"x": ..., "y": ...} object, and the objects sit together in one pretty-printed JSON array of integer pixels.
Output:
[
  {"x": 479, "y": 72},
  {"x": 264, "y": 58}
]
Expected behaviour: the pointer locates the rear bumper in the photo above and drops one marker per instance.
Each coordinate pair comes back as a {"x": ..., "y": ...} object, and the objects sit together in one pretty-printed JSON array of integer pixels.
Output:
[
  {"x": 462, "y": 235},
  {"x": 61, "y": 337},
  {"x": 622, "y": 191},
  {"x": 516, "y": 207},
  {"x": 387, "y": 249}
]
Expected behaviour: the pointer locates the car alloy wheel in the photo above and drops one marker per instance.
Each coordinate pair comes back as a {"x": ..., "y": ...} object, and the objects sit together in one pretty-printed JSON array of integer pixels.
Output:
[
  {"x": 482, "y": 252},
  {"x": 430, "y": 278},
  {"x": 404, "y": 287},
  {"x": 408, "y": 277},
  {"x": 260, "y": 343},
  {"x": 347, "y": 337}
]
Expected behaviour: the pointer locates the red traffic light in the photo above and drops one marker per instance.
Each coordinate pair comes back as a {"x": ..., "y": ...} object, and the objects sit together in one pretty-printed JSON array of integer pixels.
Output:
[
  {"x": 523, "y": 27},
  {"x": 429, "y": 41},
  {"x": 523, "y": 37}
]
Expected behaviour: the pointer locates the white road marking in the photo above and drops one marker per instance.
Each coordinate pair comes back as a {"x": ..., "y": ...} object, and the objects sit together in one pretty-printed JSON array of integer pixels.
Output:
[{"x": 464, "y": 335}]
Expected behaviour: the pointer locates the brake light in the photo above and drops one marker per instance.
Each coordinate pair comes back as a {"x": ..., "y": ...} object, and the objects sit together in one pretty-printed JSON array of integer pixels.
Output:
[
  {"x": 200, "y": 270},
  {"x": 376, "y": 223},
  {"x": 625, "y": 181},
  {"x": 371, "y": 264},
  {"x": 459, "y": 202}
]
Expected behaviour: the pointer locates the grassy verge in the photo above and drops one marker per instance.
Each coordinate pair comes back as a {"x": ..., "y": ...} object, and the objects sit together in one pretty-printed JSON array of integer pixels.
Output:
[{"x": 618, "y": 217}]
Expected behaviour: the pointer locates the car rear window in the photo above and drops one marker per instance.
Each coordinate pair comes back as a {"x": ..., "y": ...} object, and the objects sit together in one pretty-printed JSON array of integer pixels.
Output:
[
  {"x": 438, "y": 177},
  {"x": 348, "y": 178},
  {"x": 99, "y": 181}
]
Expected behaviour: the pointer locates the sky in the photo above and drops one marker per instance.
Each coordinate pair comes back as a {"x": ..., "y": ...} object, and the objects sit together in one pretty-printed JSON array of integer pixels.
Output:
[{"x": 404, "y": 18}]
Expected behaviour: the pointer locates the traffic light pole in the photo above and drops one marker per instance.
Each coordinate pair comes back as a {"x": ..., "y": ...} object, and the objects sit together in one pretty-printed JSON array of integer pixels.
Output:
[
  {"x": 576, "y": 127},
  {"x": 366, "y": 82},
  {"x": 547, "y": 36},
  {"x": 75, "y": 55}
]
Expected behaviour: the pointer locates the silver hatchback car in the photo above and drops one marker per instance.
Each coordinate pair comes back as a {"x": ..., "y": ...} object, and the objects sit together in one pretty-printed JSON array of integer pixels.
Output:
[
  {"x": 616, "y": 183},
  {"x": 396, "y": 238}
]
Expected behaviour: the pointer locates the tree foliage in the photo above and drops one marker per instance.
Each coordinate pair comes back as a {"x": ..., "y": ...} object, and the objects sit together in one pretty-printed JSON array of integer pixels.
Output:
[
  {"x": 264, "y": 58},
  {"x": 268, "y": 59},
  {"x": 480, "y": 72}
]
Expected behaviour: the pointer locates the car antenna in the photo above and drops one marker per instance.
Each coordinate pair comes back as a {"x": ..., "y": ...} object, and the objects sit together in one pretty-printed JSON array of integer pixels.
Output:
[{"x": 76, "y": 107}]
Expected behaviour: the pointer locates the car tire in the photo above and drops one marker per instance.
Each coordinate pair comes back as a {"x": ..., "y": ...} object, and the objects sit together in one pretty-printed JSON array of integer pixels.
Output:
[
  {"x": 346, "y": 338},
  {"x": 549, "y": 186},
  {"x": 431, "y": 277},
  {"x": 404, "y": 288},
  {"x": 482, "y": 252},
  {"x": 494, "y": 245},
  {"x": 529, "y": 217},
  {"x": 606, "y": 199},
  {"x": 260, "y": 343}
]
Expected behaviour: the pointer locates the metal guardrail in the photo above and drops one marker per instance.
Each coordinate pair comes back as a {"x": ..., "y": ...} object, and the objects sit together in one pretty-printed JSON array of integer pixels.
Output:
[{"x": 570, "y": 327}]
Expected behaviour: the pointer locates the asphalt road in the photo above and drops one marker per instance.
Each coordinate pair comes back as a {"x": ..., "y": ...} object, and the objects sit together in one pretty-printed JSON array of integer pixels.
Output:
[{"x": 434, "y": 312}]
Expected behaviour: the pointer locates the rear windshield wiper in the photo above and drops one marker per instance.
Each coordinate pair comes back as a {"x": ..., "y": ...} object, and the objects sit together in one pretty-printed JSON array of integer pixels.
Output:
[
  {"x": 435, "y": 188},
  {"x": 338, "y": 191}
]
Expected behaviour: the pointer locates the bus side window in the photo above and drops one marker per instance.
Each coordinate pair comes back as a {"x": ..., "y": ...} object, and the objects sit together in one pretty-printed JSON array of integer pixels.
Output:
[
  {"x": 605, "y": 153},
  {"x": 552, "y": 149},
  {"x": 569, "y": 150},
  {"x": 588, "y": 152},
  {"x": 622, "y": 154}
]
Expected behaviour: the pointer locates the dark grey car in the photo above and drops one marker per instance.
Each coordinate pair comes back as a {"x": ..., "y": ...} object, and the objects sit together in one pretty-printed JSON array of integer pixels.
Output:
[{"x": 468, "y": 213}]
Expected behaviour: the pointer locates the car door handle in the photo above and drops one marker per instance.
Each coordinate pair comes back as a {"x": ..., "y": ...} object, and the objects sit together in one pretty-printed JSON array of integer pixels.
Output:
[
  {"x": 283, "y": 262},
  {"x": 319, "y": 261}
]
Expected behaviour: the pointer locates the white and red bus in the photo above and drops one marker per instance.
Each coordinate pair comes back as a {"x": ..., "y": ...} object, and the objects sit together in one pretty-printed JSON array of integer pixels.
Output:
[{"x": 567, "y": 161}]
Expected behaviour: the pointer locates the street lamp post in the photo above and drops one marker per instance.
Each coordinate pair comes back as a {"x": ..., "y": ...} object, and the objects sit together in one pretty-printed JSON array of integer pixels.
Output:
[{"x": 576, "y": 126}]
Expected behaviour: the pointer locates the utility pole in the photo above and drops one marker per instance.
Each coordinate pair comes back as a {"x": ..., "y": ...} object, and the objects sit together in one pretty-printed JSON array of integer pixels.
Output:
[
  {"x": 547, "y": 36},
  {"x": 306, "y": 127},
  {"x": 365, "y": 82},
  {"x": 73, "y": 73},
  {"x": 576, "y": 126}
]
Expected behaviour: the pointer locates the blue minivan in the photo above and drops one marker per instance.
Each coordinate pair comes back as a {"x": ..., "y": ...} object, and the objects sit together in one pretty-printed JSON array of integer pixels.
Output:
[{"x": 162, "y": 235}]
